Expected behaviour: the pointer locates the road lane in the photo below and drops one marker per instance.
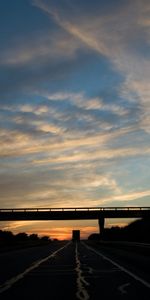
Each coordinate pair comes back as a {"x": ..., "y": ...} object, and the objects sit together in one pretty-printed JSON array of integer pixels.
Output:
[
  {"x": 17, "y": 261},
  {"x": 134, "y": 257},
  {"x": 77, "y": 272},
  {"x": 121, "y": 268},
  {"x": 54, "y": 278},
  {"x": 9, "y": 283}
]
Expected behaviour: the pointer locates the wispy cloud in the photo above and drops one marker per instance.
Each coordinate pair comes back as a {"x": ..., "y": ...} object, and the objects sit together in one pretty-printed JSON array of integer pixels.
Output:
[
  {"x": 127, "y": 197},
  {"x": 18, "y": 143},
  {"x": 114, "y": 36},
  {"x": 81, "y": 101},
  {"x": 51, "y": 46}
]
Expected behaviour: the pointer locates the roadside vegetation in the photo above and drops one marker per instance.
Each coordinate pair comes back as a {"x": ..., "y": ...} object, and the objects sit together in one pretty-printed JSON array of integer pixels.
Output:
[
  {"x": 10, "y": 241},
  {"x": 137, "y": 231}
]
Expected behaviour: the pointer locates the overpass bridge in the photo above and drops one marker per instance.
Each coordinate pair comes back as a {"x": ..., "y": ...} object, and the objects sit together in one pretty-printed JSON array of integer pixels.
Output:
[{"x": 73, "y": 213}]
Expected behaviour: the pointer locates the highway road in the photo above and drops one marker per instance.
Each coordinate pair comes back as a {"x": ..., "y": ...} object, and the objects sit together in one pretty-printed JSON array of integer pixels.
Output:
[{"x": 83, "y": 270}]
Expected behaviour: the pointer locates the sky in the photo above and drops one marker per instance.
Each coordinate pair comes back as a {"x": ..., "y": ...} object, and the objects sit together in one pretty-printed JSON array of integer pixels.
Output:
[{"x": 74, "y": 107}]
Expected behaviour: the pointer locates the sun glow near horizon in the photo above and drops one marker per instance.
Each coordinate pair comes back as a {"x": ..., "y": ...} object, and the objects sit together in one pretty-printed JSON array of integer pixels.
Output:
[{"x": 61, "y": 230}]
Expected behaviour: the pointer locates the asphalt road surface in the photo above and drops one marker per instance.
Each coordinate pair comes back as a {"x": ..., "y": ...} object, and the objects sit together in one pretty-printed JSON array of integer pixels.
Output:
[{"x": 69, "y": 270}]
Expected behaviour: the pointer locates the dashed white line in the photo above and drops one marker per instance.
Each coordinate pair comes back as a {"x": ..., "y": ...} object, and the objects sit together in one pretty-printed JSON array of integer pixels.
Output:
[{"x": 141, "y": 280}]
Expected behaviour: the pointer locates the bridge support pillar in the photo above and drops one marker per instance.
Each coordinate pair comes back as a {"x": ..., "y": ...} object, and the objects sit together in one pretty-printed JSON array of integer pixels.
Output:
[{"x": 101, "y": 223}]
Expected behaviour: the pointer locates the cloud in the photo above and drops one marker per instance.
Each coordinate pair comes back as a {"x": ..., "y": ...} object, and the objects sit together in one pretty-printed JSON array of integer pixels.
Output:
[
  {"x": 63, "y": 147},
  {"x": 67, "y": 171},
  {"x": 127, "y": 197},
  {"x": 40, "y": 47},
  {"x": 117, "y": 36},
  {"x": 108, "y": 29},
  {"x": 140, "y": 89},
  {"x": 79, "y": 156},
  {"x": 77, "y": 28},
  {"x": 111, "y": 34},
  {"x": 81, "y": 101}
]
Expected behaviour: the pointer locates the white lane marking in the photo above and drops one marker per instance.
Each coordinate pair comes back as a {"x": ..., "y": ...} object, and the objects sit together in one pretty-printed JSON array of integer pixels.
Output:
[
  {"x": 145, "y": 283},
  {"x": 122, "y": 288},
  {"x": 81, "y": 293},
  {"x": 8, "y": 284}
]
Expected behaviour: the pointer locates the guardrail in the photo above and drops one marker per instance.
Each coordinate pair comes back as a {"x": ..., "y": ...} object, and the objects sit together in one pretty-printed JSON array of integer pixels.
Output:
[{"x": 74, "y": 209}]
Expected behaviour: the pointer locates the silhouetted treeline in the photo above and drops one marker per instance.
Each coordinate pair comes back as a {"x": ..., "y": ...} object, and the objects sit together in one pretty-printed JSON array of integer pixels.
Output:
[
  {"x": 7, "y": 238},
  {"x": 138, "y": 231}
]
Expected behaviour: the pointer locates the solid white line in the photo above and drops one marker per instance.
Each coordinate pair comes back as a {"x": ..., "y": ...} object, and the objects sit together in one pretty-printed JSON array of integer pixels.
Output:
[
  {"x": 8, "y": 284},
  {"x": 145, "y": 283}
]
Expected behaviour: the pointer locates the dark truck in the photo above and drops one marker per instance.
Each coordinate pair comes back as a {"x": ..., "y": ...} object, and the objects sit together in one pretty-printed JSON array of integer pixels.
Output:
[{"x": 75, "y": 235}]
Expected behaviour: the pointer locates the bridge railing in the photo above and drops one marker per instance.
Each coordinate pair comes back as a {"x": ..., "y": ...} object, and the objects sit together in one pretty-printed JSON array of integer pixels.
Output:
[{"x": 47, "y": 209}]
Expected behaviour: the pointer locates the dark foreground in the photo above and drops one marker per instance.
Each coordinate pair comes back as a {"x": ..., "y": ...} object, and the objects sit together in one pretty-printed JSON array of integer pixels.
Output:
[{"x": 69, "y": 270}]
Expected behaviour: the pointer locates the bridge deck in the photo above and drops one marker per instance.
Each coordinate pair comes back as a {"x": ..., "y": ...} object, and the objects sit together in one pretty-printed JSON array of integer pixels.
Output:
[{"x": 73, "y": 213}]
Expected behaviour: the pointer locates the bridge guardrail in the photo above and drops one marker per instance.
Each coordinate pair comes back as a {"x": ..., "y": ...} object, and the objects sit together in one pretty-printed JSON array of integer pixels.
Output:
[{"x": 73, "y": 209}]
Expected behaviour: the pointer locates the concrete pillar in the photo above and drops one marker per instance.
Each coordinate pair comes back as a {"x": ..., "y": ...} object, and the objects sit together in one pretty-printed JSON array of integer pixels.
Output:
[{"x": 101, "y": 223}]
